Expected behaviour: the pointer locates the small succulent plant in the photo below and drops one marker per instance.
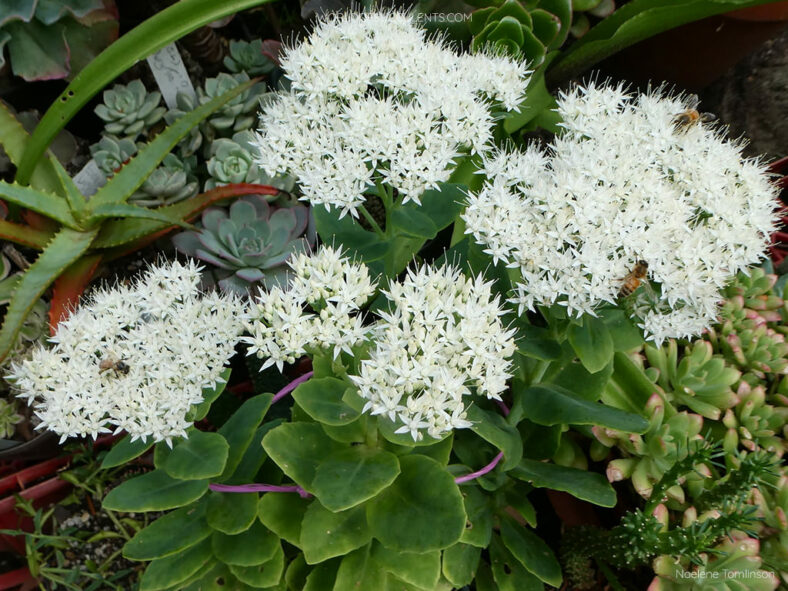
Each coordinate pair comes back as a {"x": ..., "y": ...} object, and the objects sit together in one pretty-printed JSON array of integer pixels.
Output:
[
  {"x": 755, "y": 424},
  {"x": 249, "y": 244},
  {"x": 190, "y": 144},
  {"x": 232, "y": 161},
  {"x": 648, "y": 457},
  {"x": 248, "y": 56},
  {"x": 734, "y": 564},
  {"x": 701, "y": 381},
  {"x": 9, "y": 418},
  {"x": 751, "y": 332},
  {"x": 36, "y": 326},
  {"x": 130, "y": 110},
  {"x": 510, "y": 27},
  {"x": 583, "y": 9},
  {"x": 238, "y": 114},
  {"x": 171, "y": 182},
  {"x": 111, "y": 153}
]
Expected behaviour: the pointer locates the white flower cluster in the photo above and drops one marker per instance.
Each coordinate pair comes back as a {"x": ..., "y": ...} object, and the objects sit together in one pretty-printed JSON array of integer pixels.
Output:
[
  {"x": 442, "y": 340},
  {"x": 626, "y": 182},
  {"x": 334, "y": 287},
  {"x": 136, "y": 357},
  {"x": 374, "y": 101}
]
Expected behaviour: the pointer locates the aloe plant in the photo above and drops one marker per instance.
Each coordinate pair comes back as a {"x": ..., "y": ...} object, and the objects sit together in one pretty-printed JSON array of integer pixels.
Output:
[{"x": 85, "y": 231}]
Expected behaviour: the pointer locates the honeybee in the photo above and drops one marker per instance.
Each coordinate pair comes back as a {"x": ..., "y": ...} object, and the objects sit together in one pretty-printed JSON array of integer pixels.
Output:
[
  {"x": 117, "y": 365},
  {"x": 633, "y": 279},
  {"x": 683, "y": 121}
]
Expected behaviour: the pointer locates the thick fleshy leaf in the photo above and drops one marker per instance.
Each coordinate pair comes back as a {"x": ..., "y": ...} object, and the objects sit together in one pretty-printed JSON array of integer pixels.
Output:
[
  {"x": 202, "y": 455},
  {"x": 509, "y": 574},
  {"x": 531, "y": 551},
  {"x": 583, "y": 484},
  {"x": 352, "y": 475},
  {"x": 163, "y": 573},
  {"x": 169, "y": 534},
  {"x": 240, "y": 429},
  {"x": 592, "y": 342},
  {"x": 199, "y": 411},
  {"x": 325, "y": 534},
  {"x": 321, "y": 398},
  {"x": 479, "y": 520},
  {"x": 460, "y": 563},
  {"x": 37, "y": 52},
  {"x": 283, "y": 513},
  {"x": 22, "y": 10},
  {"x": 359, "y": 571},
  {"x": 421, "y": 511},
  {"x": 419, "y": 569},
  {"x": 154, "y": 491},
  {"x": 494, "y": 429},
  {"x": 255, "y": 545},
  {"x": 553, "y": 405},
  {"x": 125, "y": 450},
  {"x": 262, "y": 575},
  {"x": 322, "y": 577},
  {"x": 298, "y": 449},
  {"x": 231, "y": 513}
]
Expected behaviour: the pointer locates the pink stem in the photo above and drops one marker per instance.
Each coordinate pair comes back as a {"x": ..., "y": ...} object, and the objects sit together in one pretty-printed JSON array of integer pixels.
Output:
[
  {"x": 242, "y": 488},
  {"x": 292, "y": 386},
  {"x": 482, "y": 472},
  {"x": 503, "y": 407}
]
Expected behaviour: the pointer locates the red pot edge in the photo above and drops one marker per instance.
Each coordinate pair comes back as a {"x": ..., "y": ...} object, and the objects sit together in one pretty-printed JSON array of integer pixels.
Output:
[{"x": 14, "y": 578}]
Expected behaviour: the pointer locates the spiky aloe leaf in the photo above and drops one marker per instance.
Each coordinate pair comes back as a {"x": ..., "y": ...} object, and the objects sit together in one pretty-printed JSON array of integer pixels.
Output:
[
  {"x": 127, "y": 210},
  {"x": 132, "y": 175},
  {"x": 47, "y": 204},
  {"x": 69, "y": 286},
  {"x": 24, "y": 235},
  {"x": 76, "y": 200},
  {"x": 162, "y": 29},
  {"x": 65, "y": 248},
  {"x": 120, "y": 232},
  {"x": 14, "y": 140}
]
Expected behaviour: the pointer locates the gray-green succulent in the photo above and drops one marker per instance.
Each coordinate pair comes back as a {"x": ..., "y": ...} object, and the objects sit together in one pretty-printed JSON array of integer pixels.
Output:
[
  {"x": 171, "y": 182},
  {"x": 232, "y": 161},
  {"x": 238, "y": 114},
  {"x": 9, "y": 418},
  {"x": 247, "y": 56},
  {"x": 111, "y": 153},
  {"x": 249, "y": 244},
  {"x": 130, "y": 110}
]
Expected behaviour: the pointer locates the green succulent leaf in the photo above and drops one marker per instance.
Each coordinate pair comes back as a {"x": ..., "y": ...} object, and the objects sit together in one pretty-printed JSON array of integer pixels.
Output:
[
  {"x": 283, "y": 514},
  {"x": 127, "y": 210},
  {"x": 460, "y": 563},
  {"x": 531, "y": 551},
  {"x": 299, "y": 449},
  {"x": 592, "y": 342},
  {"x": 325, "y": 534},
  {"x": 154, "y": 491},
  {"x": 202, "y": 455},
  {"x": 37, "y": 52},
  {"x": 262, "y": 575},
  {"x": 508, "y": 572},
  {"x": 493, "y": 428},
  {"x": 255, "y": 545},
  {"x": 353, "y": 475},
  {"x": 124, "y": 451},
  {"x": 240, "y": 429},
  {"x": 359, "y": 571},
  {"x": 172, "y": 533},
  {"x": 585, "y": 485},
  {"x": 231, "y": 513},
  {"x": 421, "y": 511},
  {"x": 164, "y": 573},
  {"x": 419, "y": 569},
  {"x": 552, "y": 405},
  {"x": 322, "y": 399},
  {"x": 199, "y": 411},
  {"x": 47, "y": 204}
]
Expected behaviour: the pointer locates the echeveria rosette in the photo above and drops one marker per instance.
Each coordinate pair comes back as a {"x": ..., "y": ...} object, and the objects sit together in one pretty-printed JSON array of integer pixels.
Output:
[
  {"x": 232, "y": 161},
  {"x": 250, "y": 244},
  {"x": 171, "y": 182},
  {"x": 248, "y": 56},
  {"x": 111, "y": 153},
  {"x": 238, "y": 113},
  {"x": 130, "y": 110}
]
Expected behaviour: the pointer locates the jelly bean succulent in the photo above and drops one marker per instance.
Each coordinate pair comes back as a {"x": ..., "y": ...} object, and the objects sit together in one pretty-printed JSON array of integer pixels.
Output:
[
  {"x": 754, "y": 423},
  {"x": 249, "y": 244},
  {"x": 130, "y": 110}
]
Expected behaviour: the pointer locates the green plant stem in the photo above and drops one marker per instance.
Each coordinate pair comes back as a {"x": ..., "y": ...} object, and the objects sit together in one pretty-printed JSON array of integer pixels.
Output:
[
  {"x": 372, "y": 222},
  {"x": 539, "y": 371},
  {"x": 118, "y": 524}
]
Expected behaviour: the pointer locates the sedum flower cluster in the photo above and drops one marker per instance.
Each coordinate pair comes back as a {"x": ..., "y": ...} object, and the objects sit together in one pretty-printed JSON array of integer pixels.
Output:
[
  {"x": 626, "y": 182},
  {"x": 442, "y": 340},
  {"x": 373, "y": 100},
  {"x": 333, "y": 287},
  {"x": 135, "y": 357}
]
